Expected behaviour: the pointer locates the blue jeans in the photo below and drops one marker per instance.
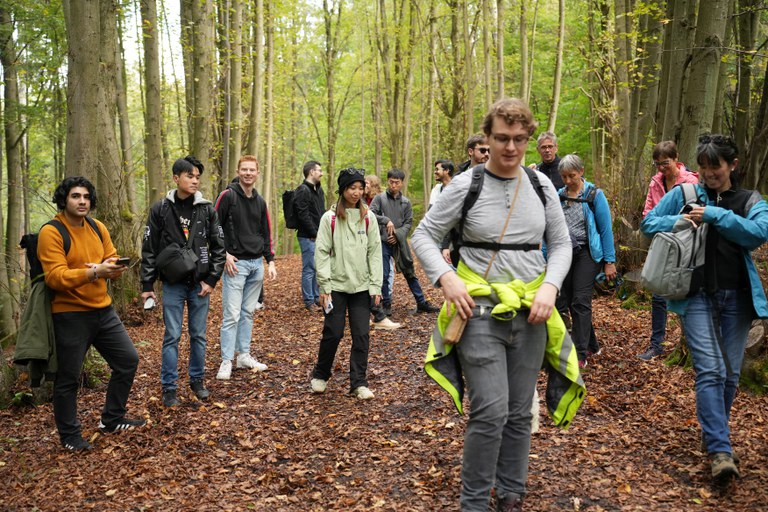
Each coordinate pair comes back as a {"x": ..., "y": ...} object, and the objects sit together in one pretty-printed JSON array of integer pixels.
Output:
[
  {"x": 715, "y": 389},
  {"x": 386, "y": 291},
  {"x": 658, "y": 321},
  {"x": 239, "y": 295},
  {"x": 174, "y": 298},
  {"x": 500, "y": 361},
  {"x": 310, "y": 290}
]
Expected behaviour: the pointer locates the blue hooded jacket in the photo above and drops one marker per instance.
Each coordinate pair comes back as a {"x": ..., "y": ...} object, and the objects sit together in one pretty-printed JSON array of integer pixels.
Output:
[
  {"x": 599, "y": 225},
  {"x": 750, "y": 232}
]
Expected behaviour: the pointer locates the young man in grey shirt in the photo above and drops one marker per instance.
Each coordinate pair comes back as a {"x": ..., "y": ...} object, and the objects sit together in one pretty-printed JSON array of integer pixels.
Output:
[{"x": 500, "y": 361}]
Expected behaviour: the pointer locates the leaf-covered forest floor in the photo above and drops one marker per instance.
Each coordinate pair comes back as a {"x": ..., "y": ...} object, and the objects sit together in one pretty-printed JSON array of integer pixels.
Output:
[{"x": 264, "y": 442}]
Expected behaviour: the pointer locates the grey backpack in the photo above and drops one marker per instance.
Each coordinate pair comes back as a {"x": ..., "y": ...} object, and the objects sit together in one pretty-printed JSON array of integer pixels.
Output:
[{"x": 673, "y": 256}]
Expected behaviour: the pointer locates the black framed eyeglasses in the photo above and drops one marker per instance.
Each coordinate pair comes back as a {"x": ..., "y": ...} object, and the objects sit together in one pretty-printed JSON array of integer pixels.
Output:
[{"x": 351, "y": 171}]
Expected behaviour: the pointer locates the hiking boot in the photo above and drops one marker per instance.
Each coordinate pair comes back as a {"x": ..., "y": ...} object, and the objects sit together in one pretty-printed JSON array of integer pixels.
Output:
[
  {"x": 426, "y": 307},
  {"x": 76, "y": 443},
  {"x": 723, "y": 468},
  {"x": 247, "y": 361},
  {"x": 363, "y": 393},
  {"x": 386, "y": 324},
  {"x": 169, "y": 398},
  {"x": 650, "y": 354},
  {"x": 511, "y": 503},
  {"x": 198, "y": 388},
  {"x": 318, "y": 385},
  {"x": 736, "y": 459},
  {"x": 225, "y": 370},
  {"x": 122, "y": 424}
]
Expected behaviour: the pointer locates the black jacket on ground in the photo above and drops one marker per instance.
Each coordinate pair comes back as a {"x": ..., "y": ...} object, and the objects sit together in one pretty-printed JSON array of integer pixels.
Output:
[
  {"x": 309, "y": 203},
  {"x": 163, "y": 228},
  {"x": 550, "y": 171},
  {"x": 246, "y": 224}
]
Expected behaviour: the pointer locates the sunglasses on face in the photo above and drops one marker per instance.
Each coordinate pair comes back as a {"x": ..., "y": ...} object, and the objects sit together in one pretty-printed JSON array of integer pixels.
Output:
[
  {"x": 483, "y": 150},
  {"x": 351, "y": 171}
]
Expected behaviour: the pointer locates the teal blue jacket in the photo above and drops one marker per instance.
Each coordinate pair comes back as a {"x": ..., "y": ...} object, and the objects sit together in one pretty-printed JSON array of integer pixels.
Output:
[{"x": 750, "y": 232}]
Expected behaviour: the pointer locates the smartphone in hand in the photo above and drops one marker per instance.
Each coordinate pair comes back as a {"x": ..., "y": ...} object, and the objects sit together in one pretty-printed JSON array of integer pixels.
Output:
[{"x": 124, "y": 262}]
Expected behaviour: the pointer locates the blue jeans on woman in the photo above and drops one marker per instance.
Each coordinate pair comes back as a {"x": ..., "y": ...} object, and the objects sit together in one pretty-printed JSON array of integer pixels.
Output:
[
  {"x": 174, "y": 298},
  {"x": 239, "y": 295},
  {"x": 658, "y": 321},
  {"x": 715, "y": 388}
]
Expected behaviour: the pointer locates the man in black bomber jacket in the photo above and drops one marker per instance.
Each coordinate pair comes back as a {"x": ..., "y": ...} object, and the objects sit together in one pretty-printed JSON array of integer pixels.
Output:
[
  {"x": 182, "y": 214},
  {"x": 309, "y": 204}
]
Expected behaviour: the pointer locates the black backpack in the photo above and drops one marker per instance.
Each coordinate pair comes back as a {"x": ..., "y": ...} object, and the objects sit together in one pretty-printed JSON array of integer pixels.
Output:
[
  {"x": 289, "y": 210},
  {"x": 590, "y": 199},
  {"x": 29, "y": 244},
  {"x": 457, "y": 240}
]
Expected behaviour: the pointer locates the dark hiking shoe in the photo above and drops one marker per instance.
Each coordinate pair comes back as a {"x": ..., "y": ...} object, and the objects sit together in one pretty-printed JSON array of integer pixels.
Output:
[
  {"x": 736, "y": 459},
  {"x": 723, "y": 469},
  {"x": 650, "y": 354},
  {"x": 123, "y": 424},
  {"x": 426, "y": 307},
  {"x": 198, "y": 387},
  {"x": 76, "y": 443},
  {"x": 511, "y": 503},
  {"x": 169, "y": 398}
]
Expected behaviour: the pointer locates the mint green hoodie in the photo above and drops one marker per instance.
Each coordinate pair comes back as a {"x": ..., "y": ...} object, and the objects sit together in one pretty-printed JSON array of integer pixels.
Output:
[{"x": 348, "y": 257}]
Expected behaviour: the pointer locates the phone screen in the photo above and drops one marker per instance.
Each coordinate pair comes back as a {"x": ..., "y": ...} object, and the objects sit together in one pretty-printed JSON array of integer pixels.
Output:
[{"x": 123, "y": 261}]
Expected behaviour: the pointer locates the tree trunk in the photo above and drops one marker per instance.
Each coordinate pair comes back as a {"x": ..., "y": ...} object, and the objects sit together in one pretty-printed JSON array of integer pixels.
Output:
[
  {"x": 499, "y": 49},
  {"x": 430, "y": 117},
  {"x": 269, "y": 171},
  {"x": 487, "y": 19},
  {"x": 9, "y": 261},
  {"x": 153, "y": 110},
  {"x": 683, "y": 27},
  {"x": 755, "y": 165},
  {"x": 469, "y": 70},
  {"x": 699, "y": 101},
  {"x": 92, "y": 148},
  {"x": 257, "y": 97},
  {"x": 126, "y": 144},
  {"x": 235, "y": 91},
  {"x": 558, "y": 70},
  {"x": 523, "y": 29},
  {"x": 726, "y": 109},
  {"x": 204, "y": 87},
  {"x": 747, "y": 31}
]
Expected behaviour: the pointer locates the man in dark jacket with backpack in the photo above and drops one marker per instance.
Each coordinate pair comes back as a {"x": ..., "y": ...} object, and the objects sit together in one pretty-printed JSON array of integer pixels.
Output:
[
  {"x": 183, "y": 247},
  {"x": 309, "y": 205},
  {"x": 245, "y": 221}
]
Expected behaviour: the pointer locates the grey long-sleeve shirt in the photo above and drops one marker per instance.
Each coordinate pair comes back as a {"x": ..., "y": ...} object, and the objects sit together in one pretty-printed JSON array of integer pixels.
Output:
[{"x": 530, "y": 222}]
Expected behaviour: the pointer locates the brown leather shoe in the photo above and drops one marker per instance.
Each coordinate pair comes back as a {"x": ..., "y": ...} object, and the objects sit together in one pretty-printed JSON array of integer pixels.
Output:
[{"x": 511, "y": 503}]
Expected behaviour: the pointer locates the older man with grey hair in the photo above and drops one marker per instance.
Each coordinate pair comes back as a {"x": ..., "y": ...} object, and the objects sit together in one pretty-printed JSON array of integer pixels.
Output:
[{"x": 546, "y": 145}]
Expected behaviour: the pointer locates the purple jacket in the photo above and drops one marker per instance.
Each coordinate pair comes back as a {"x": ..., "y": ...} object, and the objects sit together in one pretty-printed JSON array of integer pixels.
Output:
[{"x": 656, "y": 189}]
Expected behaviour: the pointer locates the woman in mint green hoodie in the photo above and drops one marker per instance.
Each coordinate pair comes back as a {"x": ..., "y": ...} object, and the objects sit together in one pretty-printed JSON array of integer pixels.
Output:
[{"x": 349, "y": 273}]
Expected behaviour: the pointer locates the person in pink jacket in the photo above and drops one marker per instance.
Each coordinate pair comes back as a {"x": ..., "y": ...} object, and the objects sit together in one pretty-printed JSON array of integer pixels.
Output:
[{"x": 671, "y": 173}]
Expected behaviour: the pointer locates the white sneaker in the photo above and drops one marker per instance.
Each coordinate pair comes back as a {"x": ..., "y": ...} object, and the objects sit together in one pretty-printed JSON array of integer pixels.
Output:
[
  {"x": 259, "y": 306},
  {"x": 318, "y": 385},
  {"x": 363, "y": 393},
  {"x": 225, "y": 370},
  {"x": 386, "y": 324},
  {"x": 246, "y": 361}
]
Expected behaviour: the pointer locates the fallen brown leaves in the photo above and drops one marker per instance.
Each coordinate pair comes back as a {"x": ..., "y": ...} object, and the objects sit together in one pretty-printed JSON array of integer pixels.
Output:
[{"x": 264, "y": 442}]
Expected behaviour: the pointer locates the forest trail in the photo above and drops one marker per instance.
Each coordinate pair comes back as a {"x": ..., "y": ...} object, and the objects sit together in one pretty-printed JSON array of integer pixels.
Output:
[{"x": 263, "y": 442}]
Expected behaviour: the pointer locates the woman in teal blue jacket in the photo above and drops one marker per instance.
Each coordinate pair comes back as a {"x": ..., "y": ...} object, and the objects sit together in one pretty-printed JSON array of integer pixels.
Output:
[
  {"x": 588, "y": 217},
  {"x": 726, "y": 292}
]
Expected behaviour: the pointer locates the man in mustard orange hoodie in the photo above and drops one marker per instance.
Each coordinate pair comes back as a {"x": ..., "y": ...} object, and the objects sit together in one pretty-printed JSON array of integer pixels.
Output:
[{"x": 78, "y": 257}]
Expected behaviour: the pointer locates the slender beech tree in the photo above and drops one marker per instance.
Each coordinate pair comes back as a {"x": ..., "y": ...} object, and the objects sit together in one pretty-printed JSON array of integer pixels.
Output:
[
  {"x": 699, "y": 100},
  {"x": 126, "y": 142},
  {"x": 153, "y": 111},
  {"x": 500, "y": 48},
  {"x": 558, "y": 69},
  {"x": 257, "y": 86},
  {"x": 682, "y": 29},
  {"x": 10, "y": 280}
]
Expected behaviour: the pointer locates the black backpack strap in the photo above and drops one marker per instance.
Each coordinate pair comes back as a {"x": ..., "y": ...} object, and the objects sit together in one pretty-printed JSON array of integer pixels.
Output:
[
  {"x": 65, "y": 239},
  {"x": 495, "y": 246},
  {"x": 590, "y": 199},
  {"x": 537, "y": 186}
]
